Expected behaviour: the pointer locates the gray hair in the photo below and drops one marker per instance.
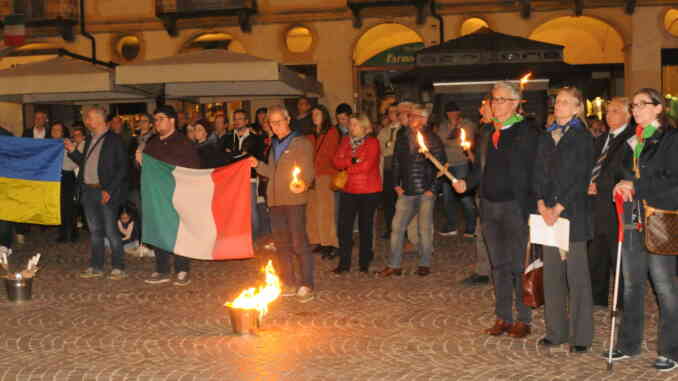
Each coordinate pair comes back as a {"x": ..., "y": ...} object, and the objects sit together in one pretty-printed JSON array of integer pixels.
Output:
[
  {"x": 96, "y": 109},
  {"x": 624, "y": 101},
  {"x": 512, "y": 88},
  {"x": 280, "y": 109},
  {"x": 420, "y": 109}
]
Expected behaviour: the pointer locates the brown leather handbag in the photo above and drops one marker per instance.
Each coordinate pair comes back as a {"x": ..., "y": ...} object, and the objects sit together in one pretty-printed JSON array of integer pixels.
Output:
[
  {"x": 661, "y": 230},
  {"x": 533, "y": 278}
]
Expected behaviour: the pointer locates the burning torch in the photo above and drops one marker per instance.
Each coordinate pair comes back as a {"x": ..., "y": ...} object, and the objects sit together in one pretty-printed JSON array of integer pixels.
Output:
[{"x": 424, "y": 150}]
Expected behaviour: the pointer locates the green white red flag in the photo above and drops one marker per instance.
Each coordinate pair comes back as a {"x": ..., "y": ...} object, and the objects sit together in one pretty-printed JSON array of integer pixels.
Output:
[
  {"x": 197, "y": 213},
  {"x": 14, "y": 30}
]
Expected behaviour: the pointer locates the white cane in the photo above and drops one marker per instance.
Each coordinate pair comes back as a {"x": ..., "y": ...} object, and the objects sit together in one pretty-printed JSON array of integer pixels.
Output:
[{"x": 619, "y": 204}]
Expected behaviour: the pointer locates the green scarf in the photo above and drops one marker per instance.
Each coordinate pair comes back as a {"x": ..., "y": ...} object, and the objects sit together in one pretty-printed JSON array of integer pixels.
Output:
[
  {"x": 647, "y": 132},
  {"x": 515, "y": 118}
]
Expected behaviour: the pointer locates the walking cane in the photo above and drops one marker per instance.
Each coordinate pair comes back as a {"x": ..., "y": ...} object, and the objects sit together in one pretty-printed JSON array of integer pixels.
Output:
[{"x": 619, "y": 203}]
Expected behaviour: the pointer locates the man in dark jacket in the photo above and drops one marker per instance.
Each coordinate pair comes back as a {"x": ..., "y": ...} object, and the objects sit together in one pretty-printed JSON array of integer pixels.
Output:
[
  {"x": 504, "y": 173},
  {"x": 609, "y": 151},
  {"x": 173, "y": 147},
  {"x": 103, "y": 182},
  {"x": 416, "y": 182}
]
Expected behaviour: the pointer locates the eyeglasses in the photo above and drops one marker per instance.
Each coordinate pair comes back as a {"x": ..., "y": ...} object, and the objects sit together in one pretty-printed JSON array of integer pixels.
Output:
[
  {"x": 501, "y": 100},
  {"x": 641, "y": 104},
  {"x": 276, "y": 122}
]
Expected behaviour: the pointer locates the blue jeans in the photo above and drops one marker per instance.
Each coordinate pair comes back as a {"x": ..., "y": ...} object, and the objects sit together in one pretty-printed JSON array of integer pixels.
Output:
[
  {"x": 407, "y": 207},
  {"x": 450, "y": 197},
  {"x": 101, "y": 219},
  {"x": 637, "y": 264}
]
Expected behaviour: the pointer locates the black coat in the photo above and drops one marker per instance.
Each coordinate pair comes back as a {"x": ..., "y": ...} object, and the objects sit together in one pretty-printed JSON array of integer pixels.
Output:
[
  {"x": 658, "y": 163},
  {"x": 562, "y": 174},
  {"x": 522, "y": 157},
  {"x": 411, "y": 169},
  {"x": 604, "y": 213},
  {"x": 113, "y": 166}
]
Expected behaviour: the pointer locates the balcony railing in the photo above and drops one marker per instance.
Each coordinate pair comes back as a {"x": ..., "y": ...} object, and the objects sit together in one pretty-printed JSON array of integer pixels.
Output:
[
  {"x": 172, "y": 10},
  {"x": 39, "y": 10},
  {"x": 59, "y": 14}
]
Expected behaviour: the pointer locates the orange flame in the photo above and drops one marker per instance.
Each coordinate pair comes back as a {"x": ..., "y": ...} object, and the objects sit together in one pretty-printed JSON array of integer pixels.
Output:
[
  {"x": 524, "y": 80},
  {"x": 295, "y": 173},
  {"x": 465, "y": 144},
  {"x": 420, "y": 140},
  {"x": 259, "y": 300}
]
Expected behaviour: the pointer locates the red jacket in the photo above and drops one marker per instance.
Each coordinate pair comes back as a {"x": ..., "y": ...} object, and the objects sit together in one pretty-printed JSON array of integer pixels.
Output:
[{"x": 363, "y": 176}]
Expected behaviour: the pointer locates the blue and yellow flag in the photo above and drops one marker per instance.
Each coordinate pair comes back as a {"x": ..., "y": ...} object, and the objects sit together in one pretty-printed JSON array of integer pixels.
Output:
[{"x": 30, "y": 180}]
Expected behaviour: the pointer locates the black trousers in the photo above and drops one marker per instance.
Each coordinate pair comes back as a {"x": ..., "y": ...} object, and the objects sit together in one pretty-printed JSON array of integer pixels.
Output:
[
  {"x": 6, "y": 233},
  {"x": 364, "y": 206},
  {"x": 67, "y": 227},
  {"x": 388, "y": 199},
  {"x": 162, "y": 262},
  {"x": 602, "y": 250}
]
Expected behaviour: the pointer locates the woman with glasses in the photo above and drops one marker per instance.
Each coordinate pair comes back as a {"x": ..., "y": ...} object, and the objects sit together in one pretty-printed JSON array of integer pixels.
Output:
[
  {"x": 562, "y": 174},
  {"x": 650, "y": 175}
]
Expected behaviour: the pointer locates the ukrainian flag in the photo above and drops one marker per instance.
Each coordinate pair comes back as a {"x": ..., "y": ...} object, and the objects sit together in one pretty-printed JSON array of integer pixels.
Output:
[{"x": 30, "y": 180}]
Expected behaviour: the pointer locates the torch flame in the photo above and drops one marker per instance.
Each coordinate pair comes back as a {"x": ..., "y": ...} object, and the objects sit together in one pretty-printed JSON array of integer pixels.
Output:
[
  {"x": 524, "y": 80},
  {"x": 420, "y": 140},
  {"x": 259, "y": 299},
  {"x": 295, "y": 173},
  {"x": 465, "y": 144}
]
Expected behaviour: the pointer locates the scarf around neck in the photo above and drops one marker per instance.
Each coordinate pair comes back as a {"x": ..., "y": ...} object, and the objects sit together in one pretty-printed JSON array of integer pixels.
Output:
[{"x": 642, "y": 133}]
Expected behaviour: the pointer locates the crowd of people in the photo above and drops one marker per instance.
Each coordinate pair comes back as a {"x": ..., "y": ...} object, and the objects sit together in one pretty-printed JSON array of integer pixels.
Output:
[{"x": 352, "y": 167}]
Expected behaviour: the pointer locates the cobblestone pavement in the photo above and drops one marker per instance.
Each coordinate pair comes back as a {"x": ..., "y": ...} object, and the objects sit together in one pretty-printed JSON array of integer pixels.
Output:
[{"x": 359, "y": 327}]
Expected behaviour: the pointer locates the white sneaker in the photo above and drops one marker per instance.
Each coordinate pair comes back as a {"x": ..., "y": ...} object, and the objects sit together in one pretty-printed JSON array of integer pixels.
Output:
[
  {"x": 117, "y": 274},
  {"x": 305, "y": 294},
  {"x": 157, "y": 278},
  {"x": 182, "y": 279},
  {"x": 270, "y": 246}
]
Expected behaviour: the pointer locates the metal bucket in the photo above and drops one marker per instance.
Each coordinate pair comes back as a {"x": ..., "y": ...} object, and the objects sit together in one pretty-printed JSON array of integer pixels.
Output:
[
  {"x": 19, "y": 290},
  {"x": 244, "y": 321}
]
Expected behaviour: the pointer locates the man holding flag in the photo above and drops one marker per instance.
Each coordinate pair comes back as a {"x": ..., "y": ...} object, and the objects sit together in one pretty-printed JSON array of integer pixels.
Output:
[
  {"x": 173, "y": 148},
  {"x": 103, "y": 179}
]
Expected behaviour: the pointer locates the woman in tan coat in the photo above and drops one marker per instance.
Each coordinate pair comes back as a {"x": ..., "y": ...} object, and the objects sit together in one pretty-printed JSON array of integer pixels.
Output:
[{"x": 320, "y": 210}]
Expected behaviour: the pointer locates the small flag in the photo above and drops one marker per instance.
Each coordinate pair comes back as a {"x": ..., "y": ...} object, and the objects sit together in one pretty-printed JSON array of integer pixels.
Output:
[
  {"x": 15, "y": 30},
  {"x": 30, "y": 180},
  {"x": 197, "y": 213}
]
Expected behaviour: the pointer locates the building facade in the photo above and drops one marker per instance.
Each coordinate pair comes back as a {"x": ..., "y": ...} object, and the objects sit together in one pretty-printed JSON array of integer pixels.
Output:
[{"x": 337, "y": 37}]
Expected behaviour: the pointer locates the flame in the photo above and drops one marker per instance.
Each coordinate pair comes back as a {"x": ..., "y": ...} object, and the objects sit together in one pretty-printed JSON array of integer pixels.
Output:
[
  {"x": 465, "y": 144},
  {"x": 420, "y": 140},
  {"x": 295, "y": 174},
  {"x": 259, "y": 300},
  {"x": 524, "y": 80}
]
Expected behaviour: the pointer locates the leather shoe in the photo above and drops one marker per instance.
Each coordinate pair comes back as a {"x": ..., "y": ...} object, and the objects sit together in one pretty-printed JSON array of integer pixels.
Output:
[
  {"x": 579, "y": 349},
  {"x": 423, "y": 270},
  {"x": 318, "y": 249},
  {"x": 546, "y": 342},
  {"x": 340, "y": 270},
  {"x": 476, "y": 279},
  {"x": 389, "y": 271},
  {"x": 499, "y": 328},
  {"x": 520, "y": 330}
]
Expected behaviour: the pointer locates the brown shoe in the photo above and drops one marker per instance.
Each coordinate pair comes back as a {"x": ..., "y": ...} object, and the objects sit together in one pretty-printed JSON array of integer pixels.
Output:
[
  {"x": 423, "y": 270},
  {"x": 499, "y": 328},
  {"x": 519, "y": 330},
  {"x": 390, "y": 271}
]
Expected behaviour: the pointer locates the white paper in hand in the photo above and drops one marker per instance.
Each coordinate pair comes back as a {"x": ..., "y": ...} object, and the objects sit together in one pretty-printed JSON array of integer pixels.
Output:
[{"x": 557, "y": 235}]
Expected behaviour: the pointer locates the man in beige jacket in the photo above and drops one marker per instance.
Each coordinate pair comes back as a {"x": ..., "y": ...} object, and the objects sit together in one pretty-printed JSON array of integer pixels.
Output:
[{"x": 289, "y": 150}]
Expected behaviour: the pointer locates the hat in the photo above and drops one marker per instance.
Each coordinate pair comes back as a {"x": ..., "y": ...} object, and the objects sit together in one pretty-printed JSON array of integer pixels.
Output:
[
  {"x": 167, "y": 110},
  {"x": 451, "y": 107}
]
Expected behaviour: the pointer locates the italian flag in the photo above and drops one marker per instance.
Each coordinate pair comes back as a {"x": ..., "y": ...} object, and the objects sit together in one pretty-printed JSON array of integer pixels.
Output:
[
  {"x": 15, "y": 30},
  {"x": 197, "y": 213}
]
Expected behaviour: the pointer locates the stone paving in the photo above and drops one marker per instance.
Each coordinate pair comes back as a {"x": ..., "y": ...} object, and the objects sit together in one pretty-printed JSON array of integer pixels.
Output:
[{"x": 359, "y": 327}]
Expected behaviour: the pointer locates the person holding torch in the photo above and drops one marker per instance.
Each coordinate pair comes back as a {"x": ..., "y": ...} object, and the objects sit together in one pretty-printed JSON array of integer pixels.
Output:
[
  {"x": 416, "y": 183},
  {"x": 290, "y": 171},
  {"x": 504, "y": 177}
]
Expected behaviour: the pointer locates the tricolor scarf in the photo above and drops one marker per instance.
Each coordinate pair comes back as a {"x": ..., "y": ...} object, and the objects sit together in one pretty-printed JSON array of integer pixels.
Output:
[
  {"x": 498, "y": 125},
  {"x": 642, "y": 133}
]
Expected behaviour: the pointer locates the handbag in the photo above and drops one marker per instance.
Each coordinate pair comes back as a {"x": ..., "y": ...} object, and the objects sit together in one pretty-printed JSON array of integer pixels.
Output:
[
  {"x": 661, "y": 230},
  {"x": 339, "y": 181},
  {"x": 533, "y": 278}
]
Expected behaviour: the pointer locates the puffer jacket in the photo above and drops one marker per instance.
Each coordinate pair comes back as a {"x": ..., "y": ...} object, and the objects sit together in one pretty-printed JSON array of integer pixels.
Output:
[
  {"x": 363, "y": 176},
  {"x": 412, "y": 170}
]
